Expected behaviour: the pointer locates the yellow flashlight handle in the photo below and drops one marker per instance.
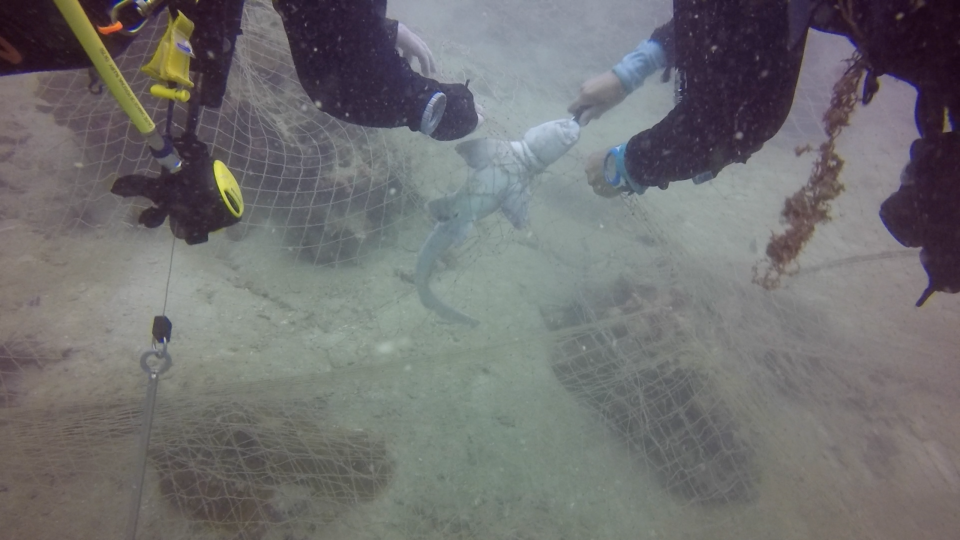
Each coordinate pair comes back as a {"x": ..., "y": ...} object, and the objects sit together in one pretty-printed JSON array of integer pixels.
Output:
[{"x": 105, "y": 65}]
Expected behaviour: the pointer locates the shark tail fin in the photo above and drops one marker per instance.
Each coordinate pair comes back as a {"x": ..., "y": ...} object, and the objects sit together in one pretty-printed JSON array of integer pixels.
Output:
[
  {"x": 436, "y": 305},
  {"x": 439, "y": 240}
]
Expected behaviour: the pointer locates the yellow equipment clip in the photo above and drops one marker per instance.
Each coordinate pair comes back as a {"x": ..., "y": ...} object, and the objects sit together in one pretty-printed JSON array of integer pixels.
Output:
[{"x": 171, "y": 62}]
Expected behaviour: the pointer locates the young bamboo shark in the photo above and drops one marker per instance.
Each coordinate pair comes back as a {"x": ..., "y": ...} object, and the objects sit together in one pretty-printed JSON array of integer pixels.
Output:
[{"x": 500, "y": 174}]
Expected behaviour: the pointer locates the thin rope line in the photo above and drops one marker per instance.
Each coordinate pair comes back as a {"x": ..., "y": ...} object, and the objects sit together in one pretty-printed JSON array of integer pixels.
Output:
[{"x": 166, "y": 292}]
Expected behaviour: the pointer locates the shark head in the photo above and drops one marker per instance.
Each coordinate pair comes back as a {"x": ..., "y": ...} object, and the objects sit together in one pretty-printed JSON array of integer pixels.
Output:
[{"x": 550, "y": 140}]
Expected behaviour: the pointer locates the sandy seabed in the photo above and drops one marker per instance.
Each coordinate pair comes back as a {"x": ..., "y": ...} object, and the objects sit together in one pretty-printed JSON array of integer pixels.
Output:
[{"x": 484, "y": 441}]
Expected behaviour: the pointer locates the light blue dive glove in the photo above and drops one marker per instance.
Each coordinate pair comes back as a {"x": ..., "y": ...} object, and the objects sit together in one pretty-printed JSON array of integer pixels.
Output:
[{"x": 640, "y": 64}]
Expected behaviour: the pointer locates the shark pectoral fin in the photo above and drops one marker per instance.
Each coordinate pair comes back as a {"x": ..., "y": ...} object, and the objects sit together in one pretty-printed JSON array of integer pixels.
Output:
[
  {"x": 516, "y": 205},
  {"x": 443, "y": 209},
  {"x": 478, "y": 153}
]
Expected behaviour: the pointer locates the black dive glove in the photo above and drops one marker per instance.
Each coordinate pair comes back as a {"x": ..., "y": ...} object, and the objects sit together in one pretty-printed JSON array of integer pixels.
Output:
[
  {"x": 925, "y": 211},
  {"x": 460, "y": 115},
  {"x": 200, "y": 198}
]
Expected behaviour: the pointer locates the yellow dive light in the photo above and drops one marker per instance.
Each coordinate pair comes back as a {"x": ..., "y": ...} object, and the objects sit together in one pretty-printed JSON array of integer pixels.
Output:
[{"x": 229, "y": 188}]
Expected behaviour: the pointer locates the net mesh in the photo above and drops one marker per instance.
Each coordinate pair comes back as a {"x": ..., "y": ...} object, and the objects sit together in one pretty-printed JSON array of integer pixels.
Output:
[{"x": 627, "y": 379}]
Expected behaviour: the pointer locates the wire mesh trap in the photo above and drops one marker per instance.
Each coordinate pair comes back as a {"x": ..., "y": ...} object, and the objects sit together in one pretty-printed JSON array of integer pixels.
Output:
[
  {"x": 240, "y": 469},
  {"x": 627, "y": 355},
  {"x": 17, "y": 356}
]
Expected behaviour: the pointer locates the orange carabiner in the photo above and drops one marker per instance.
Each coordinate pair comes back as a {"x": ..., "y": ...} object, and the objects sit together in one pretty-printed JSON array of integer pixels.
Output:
[{"x": 111, "y": 29}]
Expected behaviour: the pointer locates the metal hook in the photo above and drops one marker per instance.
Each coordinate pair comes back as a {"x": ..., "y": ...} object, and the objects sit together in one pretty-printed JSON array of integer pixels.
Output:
[
  {"x": 145, "y": 9},
  {"x": 163, "y": 355}
]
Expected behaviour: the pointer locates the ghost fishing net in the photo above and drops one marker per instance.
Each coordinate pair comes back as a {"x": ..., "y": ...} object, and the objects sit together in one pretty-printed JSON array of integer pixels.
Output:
[
  {"x": 322, "y": 189},
  {"x": 626, "y": 380},
  {"x": 19, "y": 356},
  {"x": 228, "y": 468}
]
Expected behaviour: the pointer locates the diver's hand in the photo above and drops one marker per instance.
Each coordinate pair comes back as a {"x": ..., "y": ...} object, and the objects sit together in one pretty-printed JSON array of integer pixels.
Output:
[
  {"x": 411, "y": 46},
  {"x": 597, "y": 96},
  {"x": 594, "y": 170}
]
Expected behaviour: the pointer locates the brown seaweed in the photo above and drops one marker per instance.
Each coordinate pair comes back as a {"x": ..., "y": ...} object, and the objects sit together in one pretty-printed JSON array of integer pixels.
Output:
[{"x": 810, "y": 205}]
